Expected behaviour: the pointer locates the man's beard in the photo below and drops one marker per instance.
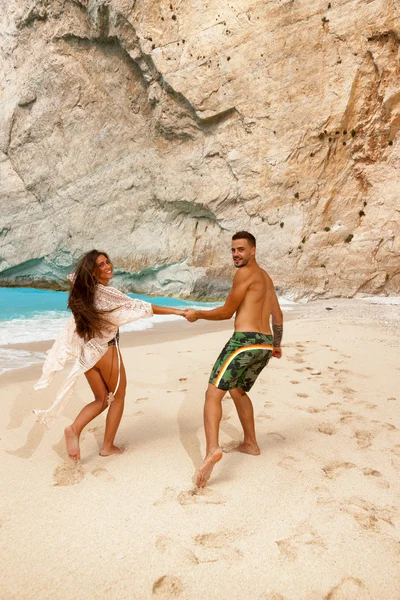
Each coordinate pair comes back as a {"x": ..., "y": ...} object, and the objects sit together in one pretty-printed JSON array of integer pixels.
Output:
[{"x": 242, "y": 264}]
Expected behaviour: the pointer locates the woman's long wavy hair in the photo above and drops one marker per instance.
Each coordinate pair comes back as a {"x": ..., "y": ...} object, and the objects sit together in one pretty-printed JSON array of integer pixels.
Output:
[{"x": 89, "y": 321}]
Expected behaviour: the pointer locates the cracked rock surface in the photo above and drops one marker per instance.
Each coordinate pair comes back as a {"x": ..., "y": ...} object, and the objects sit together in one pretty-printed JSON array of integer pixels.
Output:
[{"x": 154, "y": 131}]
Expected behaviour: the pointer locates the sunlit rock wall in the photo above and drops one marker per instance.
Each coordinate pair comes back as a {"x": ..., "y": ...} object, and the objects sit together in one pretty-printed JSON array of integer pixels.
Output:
[{"x": 154, "y": 131}]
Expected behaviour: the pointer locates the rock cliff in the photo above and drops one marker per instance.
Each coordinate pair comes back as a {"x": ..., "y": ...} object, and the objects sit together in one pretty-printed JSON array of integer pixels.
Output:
[{"x": 155, "y": 130}]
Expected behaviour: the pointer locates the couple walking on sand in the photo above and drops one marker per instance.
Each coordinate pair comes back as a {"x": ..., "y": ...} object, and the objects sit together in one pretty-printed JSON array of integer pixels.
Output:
[{"x": 91, "y": 337}]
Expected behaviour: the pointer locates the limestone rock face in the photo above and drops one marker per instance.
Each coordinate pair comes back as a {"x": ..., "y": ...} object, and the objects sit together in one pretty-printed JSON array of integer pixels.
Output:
[{"x": 155, "y": 130}]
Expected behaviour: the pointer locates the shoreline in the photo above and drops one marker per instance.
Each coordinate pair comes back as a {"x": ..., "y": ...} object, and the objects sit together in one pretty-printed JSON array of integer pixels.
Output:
[{"x": 318, "y": 310}]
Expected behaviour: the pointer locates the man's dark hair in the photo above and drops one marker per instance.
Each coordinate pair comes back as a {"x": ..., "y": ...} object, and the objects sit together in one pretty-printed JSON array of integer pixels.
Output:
[{"x": 245, "y": 235}]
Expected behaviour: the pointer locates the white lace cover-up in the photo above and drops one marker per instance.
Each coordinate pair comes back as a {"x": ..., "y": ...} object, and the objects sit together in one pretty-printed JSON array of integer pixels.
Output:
[{"x": 69, "y": 345}]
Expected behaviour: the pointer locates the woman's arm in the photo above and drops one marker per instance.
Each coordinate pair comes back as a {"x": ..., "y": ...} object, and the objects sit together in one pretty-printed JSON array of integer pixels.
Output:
[{"x": 163, "y": 310}]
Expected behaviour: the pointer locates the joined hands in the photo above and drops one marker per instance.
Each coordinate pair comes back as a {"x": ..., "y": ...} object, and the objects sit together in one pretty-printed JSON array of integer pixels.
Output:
[{"x": 190, "y": 315}]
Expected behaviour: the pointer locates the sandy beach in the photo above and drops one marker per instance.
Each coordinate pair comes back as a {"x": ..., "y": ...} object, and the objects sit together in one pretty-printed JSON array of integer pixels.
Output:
[{"x": 315, "y": 517}]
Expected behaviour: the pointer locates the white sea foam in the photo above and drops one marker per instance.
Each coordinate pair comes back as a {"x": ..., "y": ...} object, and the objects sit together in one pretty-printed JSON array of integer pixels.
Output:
[
  {"x": 47, "y": 325},
  {"x": 18, "y": 359}
]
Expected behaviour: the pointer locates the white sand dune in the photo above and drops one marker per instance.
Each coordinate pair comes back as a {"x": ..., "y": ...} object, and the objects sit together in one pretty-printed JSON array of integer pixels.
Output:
[{"x": 315, "y": 517}]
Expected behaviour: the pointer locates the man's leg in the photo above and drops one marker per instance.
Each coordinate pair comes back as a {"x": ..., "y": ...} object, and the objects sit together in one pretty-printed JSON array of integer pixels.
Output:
[
  {"x": 212, "y": 419},
  {"x": 245, "y": 412}
]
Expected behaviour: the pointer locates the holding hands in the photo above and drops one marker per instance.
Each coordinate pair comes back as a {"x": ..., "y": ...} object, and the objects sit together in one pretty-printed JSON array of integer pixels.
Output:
[{"x": 190, "y": 315}]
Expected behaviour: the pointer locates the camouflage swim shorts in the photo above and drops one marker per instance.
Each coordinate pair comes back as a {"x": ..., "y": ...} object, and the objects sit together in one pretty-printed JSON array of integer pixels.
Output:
[{"x": 242, "y": 360}]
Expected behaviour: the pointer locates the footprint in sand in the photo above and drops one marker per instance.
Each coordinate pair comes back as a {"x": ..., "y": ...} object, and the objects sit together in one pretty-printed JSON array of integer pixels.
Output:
[
  {"x": 387, "y": 426},
  {"x": 182, "y": 378},
  {"x": 368, "y": 515},
  {"x": 200, "y": 496},
  {"x": 294, "y": 382},
  {"x": 194, "y": 496},
  {"x": 364, "y": 438},
  {"x": 311, "y": 409},
  {"x": 141, "y": 399},
  {"x": 301, "y": 395},
  {"x": 166, "y": 545},
  {"x": 300, "y": 370},
  {"x": 168, "y": 586},
  {"x": 350, "y": 417},
  {"x": 213, "y": 547},
  {"x": 375, "y": 476},
  {"x": 326, "y": 428},
  {"x": 271, "y": 596},
  {"x": 324, "y": 495},
  {"x": 169, "y": 495},
  {"x": 305, "y": 539},
  {"x": 367, "y": 404},
  {"x": 263, "y": 416},
  {"x": 296, "y": 360},
  {"x": 230, "y": 446},
  {"x": 349, "y": 391},
  {"x": 349, "y": 588},
  {"x": 278, "y": 437},
  {"x": 291, "y": 463},
  {"x": 396, "y": 449},
  {"x": 334, "y": 469},
  {"x": 102, "y": 473},
  {"x": 69, "y": 473},
  {"x": 326, "y": 389},
  {"x": 225, "y": 417}
]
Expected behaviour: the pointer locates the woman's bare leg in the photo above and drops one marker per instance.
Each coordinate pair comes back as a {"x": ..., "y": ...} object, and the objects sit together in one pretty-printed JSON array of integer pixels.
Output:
[
  {"x": 88, "y": 413},
  {"x": 108, "y": 366}
]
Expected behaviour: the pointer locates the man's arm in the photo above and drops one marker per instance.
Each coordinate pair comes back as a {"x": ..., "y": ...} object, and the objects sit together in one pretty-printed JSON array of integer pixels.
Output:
[
  {"x": 241, "y": 283},
  {"x": 277, "y": 326}
]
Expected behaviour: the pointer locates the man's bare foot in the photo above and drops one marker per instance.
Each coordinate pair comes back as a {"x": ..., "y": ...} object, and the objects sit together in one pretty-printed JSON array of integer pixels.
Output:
[
  {"x": 72, "y": 443},
  {"x": 109, "y": 451},
  {"x": 203, "y": 474},
  {"x": 248, "y": 449}
]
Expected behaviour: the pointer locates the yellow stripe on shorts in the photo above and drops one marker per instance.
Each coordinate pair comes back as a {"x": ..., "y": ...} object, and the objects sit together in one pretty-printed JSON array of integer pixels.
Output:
[{"x": 234, "y": 355}]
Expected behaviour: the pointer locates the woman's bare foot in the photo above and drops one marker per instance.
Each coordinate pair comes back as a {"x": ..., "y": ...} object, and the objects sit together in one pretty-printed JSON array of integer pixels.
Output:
[
  {"x": 203, "y": 474},
  {"x": 72, "y": 443},
  {"x": 248, "y": 448},
  {"x": 109, "y": 451}
]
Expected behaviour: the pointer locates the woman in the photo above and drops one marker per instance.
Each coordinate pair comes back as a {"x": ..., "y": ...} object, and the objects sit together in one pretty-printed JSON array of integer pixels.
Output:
[{"x": 91, "y": 337}]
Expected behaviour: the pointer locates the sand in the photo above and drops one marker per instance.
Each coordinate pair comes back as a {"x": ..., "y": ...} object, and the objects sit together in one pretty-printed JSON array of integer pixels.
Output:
[{"x": 315, "y": 517}]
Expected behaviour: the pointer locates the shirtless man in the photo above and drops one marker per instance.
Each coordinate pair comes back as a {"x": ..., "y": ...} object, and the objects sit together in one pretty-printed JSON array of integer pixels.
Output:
[{"x": 245, "y": 355}]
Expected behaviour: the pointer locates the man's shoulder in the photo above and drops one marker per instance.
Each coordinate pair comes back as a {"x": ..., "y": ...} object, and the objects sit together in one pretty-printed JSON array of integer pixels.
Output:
[{"x": 242, "y": 274}]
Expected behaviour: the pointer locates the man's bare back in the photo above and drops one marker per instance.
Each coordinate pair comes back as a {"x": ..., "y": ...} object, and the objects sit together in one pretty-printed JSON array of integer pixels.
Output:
[{"x": 254, "y": 312}]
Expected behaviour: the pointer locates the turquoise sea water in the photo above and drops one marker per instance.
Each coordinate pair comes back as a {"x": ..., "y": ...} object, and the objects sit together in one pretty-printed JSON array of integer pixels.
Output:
[
  {"x": 31, "y": 315},
  {"x": 24, "y": 303}
]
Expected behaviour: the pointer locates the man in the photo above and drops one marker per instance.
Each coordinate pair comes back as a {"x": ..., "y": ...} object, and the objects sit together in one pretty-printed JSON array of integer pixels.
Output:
[{"x": 245, "y": 355}]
